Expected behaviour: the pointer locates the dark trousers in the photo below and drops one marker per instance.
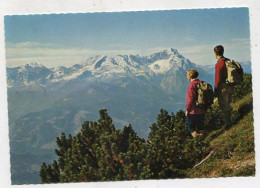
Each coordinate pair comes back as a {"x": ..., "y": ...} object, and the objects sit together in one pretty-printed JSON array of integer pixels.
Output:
[{"x": 195, "y": 122}]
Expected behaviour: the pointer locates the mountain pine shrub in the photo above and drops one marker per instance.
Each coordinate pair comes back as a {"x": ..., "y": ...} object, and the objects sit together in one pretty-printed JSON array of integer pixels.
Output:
[{"x": 100, "y": 152}]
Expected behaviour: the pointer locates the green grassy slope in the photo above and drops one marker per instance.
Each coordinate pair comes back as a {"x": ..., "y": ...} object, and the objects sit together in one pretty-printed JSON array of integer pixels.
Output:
[{"x": 233, "y": 149}]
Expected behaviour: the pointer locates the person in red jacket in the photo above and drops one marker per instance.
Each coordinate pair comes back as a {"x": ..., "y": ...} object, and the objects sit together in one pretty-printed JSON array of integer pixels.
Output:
[
  {"x": 222, "y": 90},
  {"x": 195, "y": 115}
]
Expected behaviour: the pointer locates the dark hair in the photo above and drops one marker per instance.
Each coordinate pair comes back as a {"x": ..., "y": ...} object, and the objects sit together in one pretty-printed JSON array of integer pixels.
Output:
[
  {"x": 219, "y": 50},
  {"x": 193, "y": 73}
]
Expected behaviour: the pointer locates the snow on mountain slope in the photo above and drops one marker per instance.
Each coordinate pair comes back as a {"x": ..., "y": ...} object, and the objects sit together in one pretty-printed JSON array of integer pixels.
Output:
[
  {"x": 27, "y": 75},
  {"x": 160, "y": 66},
  {"x": 170, "y": 60},
  {"x": 101, "y": 67}
]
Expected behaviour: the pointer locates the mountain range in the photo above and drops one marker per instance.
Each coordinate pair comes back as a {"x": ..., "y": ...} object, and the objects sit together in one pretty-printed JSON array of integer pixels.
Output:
[{"x": 44, "y": 102}]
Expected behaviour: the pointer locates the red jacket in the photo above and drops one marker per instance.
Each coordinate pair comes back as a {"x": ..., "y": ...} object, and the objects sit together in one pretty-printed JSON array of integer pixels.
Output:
[
  {"x": 191, "y": 97},
  {"x": 220, "y": 72}
]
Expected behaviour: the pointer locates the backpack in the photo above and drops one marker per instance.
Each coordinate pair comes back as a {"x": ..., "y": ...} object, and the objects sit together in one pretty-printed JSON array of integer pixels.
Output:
[
  {"x": 235, "y": 72},
  {"x": 205, "y": 95}
]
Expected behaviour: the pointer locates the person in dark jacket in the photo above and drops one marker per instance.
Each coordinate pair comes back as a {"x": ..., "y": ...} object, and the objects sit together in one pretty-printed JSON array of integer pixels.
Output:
[
  {"x": 195, "y": 115},
  {"x": 222, "y": 91}
]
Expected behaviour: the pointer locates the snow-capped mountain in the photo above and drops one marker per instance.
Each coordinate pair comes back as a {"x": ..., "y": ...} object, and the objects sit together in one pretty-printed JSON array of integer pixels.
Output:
[
  {"x": 101, "y": 67},
  {"x": 159, "y": 77},
  {"x": 33, "y": 73}
]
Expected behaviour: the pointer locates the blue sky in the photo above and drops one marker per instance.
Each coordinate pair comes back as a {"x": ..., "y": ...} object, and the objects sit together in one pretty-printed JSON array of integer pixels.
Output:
[{"x": 66, "y": 39}]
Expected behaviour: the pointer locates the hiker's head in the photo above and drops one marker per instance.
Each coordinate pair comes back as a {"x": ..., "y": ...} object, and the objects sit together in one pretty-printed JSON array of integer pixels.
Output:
[
  {"x": 192, "y": 74},
  {"x": 219, "y": 51}
]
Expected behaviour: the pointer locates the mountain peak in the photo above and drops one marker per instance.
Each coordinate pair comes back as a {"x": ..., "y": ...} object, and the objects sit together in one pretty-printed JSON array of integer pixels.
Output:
[
  {"x": 33, "y": 64},
  {"x": 171, "y": 51},
  {"x": 167, "y": 52}
]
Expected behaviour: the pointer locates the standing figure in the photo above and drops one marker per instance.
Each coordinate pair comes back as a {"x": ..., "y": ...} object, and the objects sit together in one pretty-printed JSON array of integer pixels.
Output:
[
  {"x": 222, "y": 90},
  {"x": 195, "y": 115}
]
